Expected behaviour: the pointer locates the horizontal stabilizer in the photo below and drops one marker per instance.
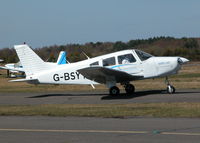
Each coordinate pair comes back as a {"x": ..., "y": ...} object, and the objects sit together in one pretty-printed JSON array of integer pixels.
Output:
[{"x": 33, "y": 81}]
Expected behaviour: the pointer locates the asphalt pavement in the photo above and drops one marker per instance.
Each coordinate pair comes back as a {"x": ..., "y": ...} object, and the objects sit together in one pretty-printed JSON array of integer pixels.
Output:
[
  {"x": 98, "y": 97},
  {"x": 39, "y": 129},
  {"x": 97, "y": 130}
]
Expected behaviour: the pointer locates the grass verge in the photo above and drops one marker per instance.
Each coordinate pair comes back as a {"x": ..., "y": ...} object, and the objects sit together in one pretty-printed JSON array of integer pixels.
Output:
[{"x": 188, "y": 110}]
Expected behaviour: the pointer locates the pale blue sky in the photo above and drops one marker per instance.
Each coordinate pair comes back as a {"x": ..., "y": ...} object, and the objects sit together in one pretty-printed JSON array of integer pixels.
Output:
[{"x": 48, "y": 22}]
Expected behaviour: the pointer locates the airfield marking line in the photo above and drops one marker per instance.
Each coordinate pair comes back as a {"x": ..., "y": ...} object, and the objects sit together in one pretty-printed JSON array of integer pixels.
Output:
[
  {"x": 178, "y": 133},
  {"x": 75, "y": 131},
  {"x": 98, "y": 131}
]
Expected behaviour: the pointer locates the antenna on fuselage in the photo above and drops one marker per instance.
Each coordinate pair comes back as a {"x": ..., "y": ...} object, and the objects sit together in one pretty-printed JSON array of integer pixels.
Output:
[{"x": 86, "y": 55}]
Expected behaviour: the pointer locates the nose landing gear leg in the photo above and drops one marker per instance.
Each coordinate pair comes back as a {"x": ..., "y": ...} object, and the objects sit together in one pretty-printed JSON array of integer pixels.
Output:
[{"x": 170, "y": 89}]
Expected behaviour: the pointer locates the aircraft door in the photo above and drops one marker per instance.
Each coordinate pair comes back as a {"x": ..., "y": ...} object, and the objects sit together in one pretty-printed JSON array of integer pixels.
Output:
[
  {"x": 150, "y": 68},
  {"x": 129, "y": 64}
]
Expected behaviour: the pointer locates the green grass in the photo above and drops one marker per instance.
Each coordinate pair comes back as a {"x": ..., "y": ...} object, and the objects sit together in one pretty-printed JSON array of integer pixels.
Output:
[
  {"x": 186, "y": 75},
  {"x": 190, "y": 110}
]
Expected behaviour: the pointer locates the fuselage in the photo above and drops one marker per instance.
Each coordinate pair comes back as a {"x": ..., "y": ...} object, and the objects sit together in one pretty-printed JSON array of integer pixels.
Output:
[{"x": 134, "y": 62}]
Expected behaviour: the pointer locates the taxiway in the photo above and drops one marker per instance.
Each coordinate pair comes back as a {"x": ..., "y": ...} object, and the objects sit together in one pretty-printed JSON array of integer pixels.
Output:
[
  {"x": 33, "y": 129},
  {"x": 98, "y": 97},
  {"x": 98, "y": 130}
]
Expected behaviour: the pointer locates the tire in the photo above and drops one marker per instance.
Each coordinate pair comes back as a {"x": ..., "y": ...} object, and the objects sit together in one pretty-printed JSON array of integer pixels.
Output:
[
  {"x": 114, "y": 90},
  {"x": 170, "y": 89},
  {"x": 129, "y": 88}
]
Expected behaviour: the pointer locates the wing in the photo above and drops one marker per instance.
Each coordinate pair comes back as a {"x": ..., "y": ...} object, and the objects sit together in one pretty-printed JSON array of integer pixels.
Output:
[{"x": 103, "y": 74}]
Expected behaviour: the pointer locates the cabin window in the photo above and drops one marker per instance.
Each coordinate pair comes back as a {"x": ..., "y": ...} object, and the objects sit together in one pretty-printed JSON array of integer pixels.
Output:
[
  {"x": 125, "y": 59},
  {"x": 94, "y": 64},
  {"x": 142, "y": 55},
  {"x": 109, "y": 61}
]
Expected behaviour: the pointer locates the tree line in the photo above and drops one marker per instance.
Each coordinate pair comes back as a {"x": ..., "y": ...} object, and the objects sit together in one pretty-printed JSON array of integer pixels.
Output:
[{"x": 158, "y": 46}]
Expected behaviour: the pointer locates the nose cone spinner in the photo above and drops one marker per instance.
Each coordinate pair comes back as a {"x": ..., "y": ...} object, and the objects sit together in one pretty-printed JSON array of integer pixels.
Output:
[{"x": 182, "y": 60}]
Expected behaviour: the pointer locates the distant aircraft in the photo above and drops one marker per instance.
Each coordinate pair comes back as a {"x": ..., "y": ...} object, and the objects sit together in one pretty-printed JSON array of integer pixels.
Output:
[
  {"x": 13, "y": 68},
  {"x": 110, "y": 69}
]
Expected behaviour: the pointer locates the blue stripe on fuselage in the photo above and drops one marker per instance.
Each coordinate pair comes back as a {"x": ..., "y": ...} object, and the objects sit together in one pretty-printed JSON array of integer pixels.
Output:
[{"x": 117, "y": 66}]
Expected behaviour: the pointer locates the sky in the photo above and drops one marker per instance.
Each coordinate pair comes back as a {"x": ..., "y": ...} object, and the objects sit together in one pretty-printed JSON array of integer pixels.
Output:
[{"x": 57, "y": 22}]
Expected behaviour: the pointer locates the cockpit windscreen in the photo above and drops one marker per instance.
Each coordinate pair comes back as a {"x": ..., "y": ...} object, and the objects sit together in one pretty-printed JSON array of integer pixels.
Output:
[{"x": 142, "y": 55}]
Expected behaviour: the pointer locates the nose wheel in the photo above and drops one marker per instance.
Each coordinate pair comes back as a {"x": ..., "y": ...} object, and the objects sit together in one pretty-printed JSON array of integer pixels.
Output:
[{"x": 170, "y": 89}]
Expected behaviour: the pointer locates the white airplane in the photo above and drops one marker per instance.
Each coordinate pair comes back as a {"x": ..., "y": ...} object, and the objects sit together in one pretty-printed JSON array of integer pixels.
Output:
[
  {"x": 118, "y": 67},
  {"x": 18, "y": 68},
  {"x": 13, "y": 67}
]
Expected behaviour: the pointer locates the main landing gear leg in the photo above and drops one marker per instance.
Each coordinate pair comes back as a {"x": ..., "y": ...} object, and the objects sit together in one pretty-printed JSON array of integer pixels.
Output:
[
  {"x": 8, "y": 73},
  {"x": 170, "y": 89}
]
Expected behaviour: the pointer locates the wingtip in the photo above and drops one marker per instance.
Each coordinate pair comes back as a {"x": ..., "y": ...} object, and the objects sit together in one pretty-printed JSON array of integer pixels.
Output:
[{"x": 20, "y": 46}]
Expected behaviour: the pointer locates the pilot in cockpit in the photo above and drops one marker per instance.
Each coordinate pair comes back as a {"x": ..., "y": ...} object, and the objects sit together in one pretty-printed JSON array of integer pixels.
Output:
[{"x": 125, "y": 60}]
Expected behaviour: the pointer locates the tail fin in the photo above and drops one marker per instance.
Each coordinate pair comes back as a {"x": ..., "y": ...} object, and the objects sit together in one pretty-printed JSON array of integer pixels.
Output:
[
  {"x": 62, "y": 58},
  {"x": 31, "y": 62}
]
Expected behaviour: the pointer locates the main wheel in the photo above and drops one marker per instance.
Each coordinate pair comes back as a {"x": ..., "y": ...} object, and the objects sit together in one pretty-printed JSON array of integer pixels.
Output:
[
  {"x": 170, "y": 89},
  {"x": 114, "y": 90},
  {"x": 129, "y": 88}
]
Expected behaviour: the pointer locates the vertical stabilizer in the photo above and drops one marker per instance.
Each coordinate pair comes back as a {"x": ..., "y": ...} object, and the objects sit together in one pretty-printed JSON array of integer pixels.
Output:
[
  {"x": 30, "y": 61},
  {"x": 62, "y": 58}
]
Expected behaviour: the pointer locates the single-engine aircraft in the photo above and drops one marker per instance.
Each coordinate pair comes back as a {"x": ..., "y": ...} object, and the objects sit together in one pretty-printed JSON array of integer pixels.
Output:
[{"x": 118, "y": 67}]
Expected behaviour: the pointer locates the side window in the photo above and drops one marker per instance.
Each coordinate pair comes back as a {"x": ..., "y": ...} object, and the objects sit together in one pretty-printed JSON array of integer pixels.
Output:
[
  {"x": 109, "y": 61},
  {"x": 94, "y": 64},
  {"x": 125, "y": 59}
]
